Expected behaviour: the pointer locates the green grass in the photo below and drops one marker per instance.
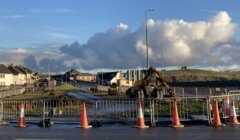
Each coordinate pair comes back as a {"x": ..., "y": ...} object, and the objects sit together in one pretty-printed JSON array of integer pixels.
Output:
[
  {"x": 192, "y": 75},
  {"x": 41, "y": 95},
  {"x": 66, "y": 87}
]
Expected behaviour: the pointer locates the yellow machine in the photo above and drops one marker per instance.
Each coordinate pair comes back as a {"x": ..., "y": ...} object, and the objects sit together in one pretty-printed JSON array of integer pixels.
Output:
[
  {"x": 113, "y": 89},
  {"x": 151, "y": 86}
]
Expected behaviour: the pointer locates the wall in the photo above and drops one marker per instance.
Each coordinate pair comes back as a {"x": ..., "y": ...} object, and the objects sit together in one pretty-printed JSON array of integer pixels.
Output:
[
  {"x": 21, "y": 79},
  {"x": 115, "y": 79},
  {"x": 8, "y": 79},
  {"x": 124, "y": 82}
]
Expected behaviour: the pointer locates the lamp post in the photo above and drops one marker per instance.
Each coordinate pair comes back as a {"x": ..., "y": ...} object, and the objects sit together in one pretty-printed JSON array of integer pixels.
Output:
[{"x": 146, "y": 11}]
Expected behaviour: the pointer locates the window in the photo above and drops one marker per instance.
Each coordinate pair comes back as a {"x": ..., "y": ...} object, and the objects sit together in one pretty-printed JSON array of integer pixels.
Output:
[
  {"x": 2, "y": 76},
  {"x": 2, "y": 84}
]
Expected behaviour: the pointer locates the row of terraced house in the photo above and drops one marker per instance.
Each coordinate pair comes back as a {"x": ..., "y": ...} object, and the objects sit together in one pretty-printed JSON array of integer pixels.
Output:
[{"x": 15, "y": 75}]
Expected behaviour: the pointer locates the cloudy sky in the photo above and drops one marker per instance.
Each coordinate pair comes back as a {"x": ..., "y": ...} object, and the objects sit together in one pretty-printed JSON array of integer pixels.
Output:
[{"x": 90, "y": 35}]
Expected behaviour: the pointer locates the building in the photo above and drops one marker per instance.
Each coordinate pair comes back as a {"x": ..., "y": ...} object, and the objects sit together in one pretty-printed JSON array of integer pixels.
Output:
[
  {"x": 88, "y": 77},
  {"x": 70, "y": 75},
  {"x": 124, "y": 83},
  {"x": 6, "y": 76},
  {"x": 184, "y": 67},
  {"x": 18, "y": 76},
  {"x": 135, "y": 75},
  {"x": 27, "y": 72},
  {"x": 108, "y": 78}
]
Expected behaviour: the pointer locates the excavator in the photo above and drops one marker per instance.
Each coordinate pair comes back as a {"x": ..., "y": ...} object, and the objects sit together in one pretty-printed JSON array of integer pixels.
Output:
[
  {"x": 150, "y": 87},
  {"x": 113, "y": 89}
]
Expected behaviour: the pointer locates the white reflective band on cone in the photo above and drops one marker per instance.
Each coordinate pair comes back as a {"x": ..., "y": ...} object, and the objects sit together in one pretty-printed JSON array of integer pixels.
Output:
[
  {"x": 140, "y": 113},
  {"x": 22, "y": 113}
]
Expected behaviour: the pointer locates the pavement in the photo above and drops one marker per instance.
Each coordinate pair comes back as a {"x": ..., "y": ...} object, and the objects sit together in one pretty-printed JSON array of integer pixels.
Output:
[{"x": 71, "y": 132}]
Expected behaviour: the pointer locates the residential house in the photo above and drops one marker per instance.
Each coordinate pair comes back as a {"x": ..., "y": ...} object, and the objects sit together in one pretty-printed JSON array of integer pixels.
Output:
[
  {"x": 27, "y": 72},
  {"x": 184, "y": 67},
  {"x": 88, "y": 77},
  {"x": 70, "y": 75},
  {"x": 6, "y": 76},
  {"x": 18, "y": 76},
  {"x": 108, "y": 78}
]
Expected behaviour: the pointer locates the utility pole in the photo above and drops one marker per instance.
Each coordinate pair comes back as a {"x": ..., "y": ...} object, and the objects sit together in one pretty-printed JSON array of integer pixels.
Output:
[
  {"x": 162, "y": 59},
  {"x": 146, "y": 11},
  {"x": 102, "y": 78}
]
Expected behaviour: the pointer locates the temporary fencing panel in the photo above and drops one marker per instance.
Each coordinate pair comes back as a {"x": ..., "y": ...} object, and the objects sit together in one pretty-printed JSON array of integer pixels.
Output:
[
  {"x": 70, "y": 110},
  {"x": 189, "y": 109},
  {"x": 156, "y": 111}
]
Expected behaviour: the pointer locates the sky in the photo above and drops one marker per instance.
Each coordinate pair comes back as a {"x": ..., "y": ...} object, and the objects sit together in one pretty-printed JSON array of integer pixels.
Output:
[{"x": 104, "y": 34}]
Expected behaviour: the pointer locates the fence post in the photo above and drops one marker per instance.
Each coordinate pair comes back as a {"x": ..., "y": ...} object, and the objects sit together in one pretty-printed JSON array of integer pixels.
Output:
[
  {"x": 43, "y": 115},
  {"x": 209, "y": 108},
  {"x": 152, "y": 113},
  {"x": 196, "y": 91},
  {"x": 183, "y": 93},
  {"x": 1, "y": 117},
  {"x": 210, "y": 91}
]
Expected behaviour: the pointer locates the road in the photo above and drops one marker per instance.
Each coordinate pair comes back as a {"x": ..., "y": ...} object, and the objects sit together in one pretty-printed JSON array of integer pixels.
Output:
[{"x": 70, "y": 132}]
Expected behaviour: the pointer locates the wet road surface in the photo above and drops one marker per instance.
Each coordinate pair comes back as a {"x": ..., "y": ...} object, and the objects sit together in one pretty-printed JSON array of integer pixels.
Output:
[{"x": 70, "y": 132}]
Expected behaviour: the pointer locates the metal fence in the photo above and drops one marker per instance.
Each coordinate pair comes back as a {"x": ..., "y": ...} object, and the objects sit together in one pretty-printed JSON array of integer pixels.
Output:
[
  {"x": 156, "y": 111},
  {"x": 109, "y": 110},
  {"x": 189, "y": 109}
]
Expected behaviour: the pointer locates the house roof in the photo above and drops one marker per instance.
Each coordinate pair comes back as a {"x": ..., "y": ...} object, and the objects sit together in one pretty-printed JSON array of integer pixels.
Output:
[
  {"x": 107, "y": 75},
  {"x": 72, "y": 72},
  {"x": 23, "y": 69},
  {"x": 14, "y": 70},
  {"x": 4, "y": 69},
  {"x": 85, "y": 74}
]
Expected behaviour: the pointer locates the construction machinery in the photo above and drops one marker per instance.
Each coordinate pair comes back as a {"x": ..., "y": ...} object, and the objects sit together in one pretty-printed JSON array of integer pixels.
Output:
[
  {"x": 152, "y": 86},
  {"x": 113, "y": 89}
]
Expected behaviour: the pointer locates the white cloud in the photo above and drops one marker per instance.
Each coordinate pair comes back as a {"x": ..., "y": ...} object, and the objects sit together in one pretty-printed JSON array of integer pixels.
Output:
[
  {"x": 122, "y": 26},
  {"x": 150, "y": 23},
  {"x": 17, "y": 16},
  {"x": 184, "y": 43},
  {"x": 61, "y": 35},
  {"x": 55, "y": 11},
  {"x": 141, "y": 47},
  {"x": 13, "y": 56},
  {"x": 209, "y": 43},
  {"x": 19, "y": 50}
]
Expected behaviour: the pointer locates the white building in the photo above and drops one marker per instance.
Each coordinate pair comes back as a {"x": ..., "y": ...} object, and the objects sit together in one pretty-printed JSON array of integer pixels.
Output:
[
  {"x": 108, "y": 78},
  {"x": 28, "y": 75},
  {"x": 6, "y": 76},
  {"x": 19, "y": 78}
]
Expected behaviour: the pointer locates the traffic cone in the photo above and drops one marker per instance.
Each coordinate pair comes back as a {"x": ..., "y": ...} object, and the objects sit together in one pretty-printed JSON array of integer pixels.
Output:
[
  {"x": 21, "y": 120},
  {"x": 233, "y": 116},
  {"x": 216, "y": 117},
  {"x": 140, "y": 119},
  {"x": 84, "y": 120},
  {"x": 227, "y": 106},
  {"x": 175, "y": 119}
]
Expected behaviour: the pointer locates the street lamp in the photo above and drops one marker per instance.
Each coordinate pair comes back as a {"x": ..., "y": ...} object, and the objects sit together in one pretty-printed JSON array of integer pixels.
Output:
[{"x": 146, "y": 11}]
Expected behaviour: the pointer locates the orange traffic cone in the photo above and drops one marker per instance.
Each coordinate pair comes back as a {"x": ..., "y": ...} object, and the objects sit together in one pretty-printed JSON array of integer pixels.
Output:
[
  {"x": 140, "y": 119},
  {"x": 175, "y": 119},
  {"x": 84, "y": 120},
  {"x": 21, "y": 121},
  {"x": 227, "y": 106},
  {"x": 216, "y": 117},
  {"x": 233, "y": 116}
]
